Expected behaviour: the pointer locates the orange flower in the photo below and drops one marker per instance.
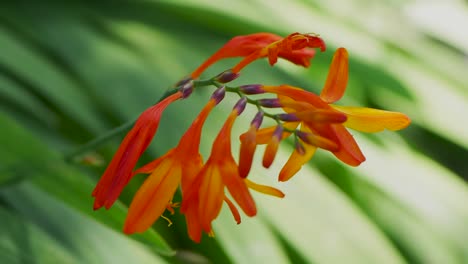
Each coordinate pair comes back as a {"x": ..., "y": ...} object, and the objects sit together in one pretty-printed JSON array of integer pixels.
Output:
[
  {"x": 119, "y": 171},
  {"x": 293, "y": 48},
  {"x": 178, "y": 165},
  {"x": 323, "y": 124},
  {"x": 206, "y": 195},
  {"x": 259, "y": 45}
]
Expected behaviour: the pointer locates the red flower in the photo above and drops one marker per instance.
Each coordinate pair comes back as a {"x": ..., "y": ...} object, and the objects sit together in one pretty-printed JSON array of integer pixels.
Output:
[{"x": 119, "y": 171}]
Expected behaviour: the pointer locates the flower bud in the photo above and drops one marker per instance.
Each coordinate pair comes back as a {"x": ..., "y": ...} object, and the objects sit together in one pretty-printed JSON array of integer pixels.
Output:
[
  {"x": 218, "y": 95},
  {"x": 226, "y": 76},
  {"x": 186, "y": 88},
  {"x": 251, "y": 89},
  {"x": 288, "y": 117},
  {"x": 270, "y": 102},
  {"x": 258, "y": 119},
  {"x": 240, "y": 105}
]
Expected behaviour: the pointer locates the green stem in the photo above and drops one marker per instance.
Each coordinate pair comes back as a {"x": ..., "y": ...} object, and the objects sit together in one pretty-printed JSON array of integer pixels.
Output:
[{"x": 90, "y": 145}]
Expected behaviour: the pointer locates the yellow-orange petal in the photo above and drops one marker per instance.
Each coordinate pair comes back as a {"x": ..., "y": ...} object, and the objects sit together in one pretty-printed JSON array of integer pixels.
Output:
[
  {"x": 337, "y": 78},
  {"x": 264, "y": 189},
  {"x": 295, "y": 162},
  {"x": 373, "y": 120},
  {"x": 151, "y": 199}
]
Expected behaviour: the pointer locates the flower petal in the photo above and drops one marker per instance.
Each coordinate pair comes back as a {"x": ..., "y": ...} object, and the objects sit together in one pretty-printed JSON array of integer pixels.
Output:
[
  {"x": 240, "y": 46},
  {"x": 211, "y": 195},
  {"x": 247, "y": 150},
  {"x": 237, "y": 187},
  {"x": 337, "y": 78},
  {"x": 297, "y": 159},
  {"x": 151, "y": 199},
  {"x": 119, "y": 170},
  {"x": 264, "y": 189},
  {"x": 373, "y": 120}
]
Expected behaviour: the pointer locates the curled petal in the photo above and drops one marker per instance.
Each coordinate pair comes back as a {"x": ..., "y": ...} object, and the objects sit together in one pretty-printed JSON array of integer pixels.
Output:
[
  {"x": 349, "y": 151},
  {"x": 264, "y": 189},
  {"x": 194, "y": 229},
  {"x": 151, "y": 199},
  {"x": 373, "y": 120},
  {"x": 337, "y": 78},
  {"x": 119, "y": 171}
]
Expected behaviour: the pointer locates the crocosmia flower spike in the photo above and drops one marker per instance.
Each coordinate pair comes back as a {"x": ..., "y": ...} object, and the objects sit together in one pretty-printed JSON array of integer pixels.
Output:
[{"x": 312, "y": 121}]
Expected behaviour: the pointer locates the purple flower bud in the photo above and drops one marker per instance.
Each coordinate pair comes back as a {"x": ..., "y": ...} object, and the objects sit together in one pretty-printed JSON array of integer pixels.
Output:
[
  {"x": 183, "y": 81},
  {"x": 270, "y": 102},
  {"x": 218, "y": 95},
  {"x": 288, "y": 117},
  {"x": 226, "y": 76},
  {"x": 258, "y": 119},
  {"x": 187, "y": 89},
  {"x": 251, "y": 89},
  {"x": 240, "y": 105}
]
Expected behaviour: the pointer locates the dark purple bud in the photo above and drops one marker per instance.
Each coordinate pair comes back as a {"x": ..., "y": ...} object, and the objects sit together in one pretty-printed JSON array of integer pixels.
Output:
[
  {"x": 218, "y": 95},
  {"x": 270, "y": 102},
  {"x": 240, "y": 105},
  {"x": 288, "y": 117},
  {"x": 187, "y": 89},
  {"x": 226, "y": 76},
  {"x": 258, "y": 119},
  {"x": 183, "y": 81},
  {"x": 251, "y": 89}
]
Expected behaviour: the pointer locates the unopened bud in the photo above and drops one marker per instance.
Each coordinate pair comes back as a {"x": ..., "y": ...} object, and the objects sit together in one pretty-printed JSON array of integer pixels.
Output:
[
  {"x": 288, "y": 117},
  {"x": 252, "y": 89},
  {"x": 270, "y": 102},
  {"x": 226, "y": 76},
  {"x": 218, "y": 95},
  {"x": 258, "y": 119},
  {"x": 240, "y": 105},
  {"x": 186, "y": 89}
]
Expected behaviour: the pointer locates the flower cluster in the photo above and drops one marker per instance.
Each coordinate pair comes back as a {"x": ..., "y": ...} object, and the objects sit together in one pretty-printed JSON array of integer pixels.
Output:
[{"x": 311, "y": 120}]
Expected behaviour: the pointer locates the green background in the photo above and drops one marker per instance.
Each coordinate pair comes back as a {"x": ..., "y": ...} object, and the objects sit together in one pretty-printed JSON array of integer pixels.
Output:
[{"x": 70, "y": 71}]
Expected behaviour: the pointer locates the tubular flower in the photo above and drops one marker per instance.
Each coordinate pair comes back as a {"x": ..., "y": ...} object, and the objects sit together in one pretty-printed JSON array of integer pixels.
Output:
[
  {"x": 312, "y": 120},
  {"x": 119, "y": 171},
  {"x": 220, "y": 171},
  {"x": 178, "y": 165},
  {"x": 259, "y": 45}
]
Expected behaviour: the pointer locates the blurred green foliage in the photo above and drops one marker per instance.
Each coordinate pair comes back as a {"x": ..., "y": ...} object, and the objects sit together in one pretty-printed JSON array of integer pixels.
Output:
[{"x": 71, "y": 71}]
